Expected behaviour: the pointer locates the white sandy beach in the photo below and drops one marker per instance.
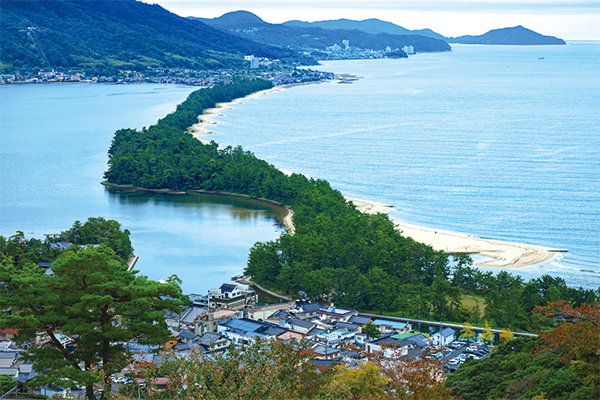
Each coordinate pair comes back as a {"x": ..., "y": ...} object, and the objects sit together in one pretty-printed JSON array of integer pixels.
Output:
[
  {"x": 503, "y": 254},
  {"x": 199, "y": 130}
]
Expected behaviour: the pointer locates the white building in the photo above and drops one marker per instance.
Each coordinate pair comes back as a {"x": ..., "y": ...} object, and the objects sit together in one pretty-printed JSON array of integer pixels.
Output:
[
  {"x": 253, "y": 61},
  {"x": 443, "y": 337}
]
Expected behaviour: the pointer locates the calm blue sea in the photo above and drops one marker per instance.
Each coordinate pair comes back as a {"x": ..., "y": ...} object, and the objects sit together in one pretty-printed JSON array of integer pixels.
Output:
[
  {"x": 500, "y": 142},
  {"x": 53, "y": 151},
  {"x": 486, "y": 140}
]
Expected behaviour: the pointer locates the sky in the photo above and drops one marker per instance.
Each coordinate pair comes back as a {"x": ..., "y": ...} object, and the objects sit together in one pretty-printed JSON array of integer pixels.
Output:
[{"x": 569, "y": 20}]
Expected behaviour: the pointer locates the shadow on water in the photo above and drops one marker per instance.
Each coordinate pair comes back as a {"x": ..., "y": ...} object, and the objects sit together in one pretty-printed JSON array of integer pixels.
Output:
[
  {"x": 204, "y": 239},
  {"x": 241, "y": 209}
]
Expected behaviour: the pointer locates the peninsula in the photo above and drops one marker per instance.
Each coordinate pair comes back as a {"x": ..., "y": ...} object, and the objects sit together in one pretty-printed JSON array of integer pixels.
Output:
[{"x": 502, "y": 253}]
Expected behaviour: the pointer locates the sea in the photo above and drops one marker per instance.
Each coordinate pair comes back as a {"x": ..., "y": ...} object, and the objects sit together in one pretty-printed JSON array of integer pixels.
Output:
[{"x": 499, "y": 142}]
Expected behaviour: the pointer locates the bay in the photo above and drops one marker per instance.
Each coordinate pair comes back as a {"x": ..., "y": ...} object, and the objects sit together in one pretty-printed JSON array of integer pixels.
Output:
[
  {"x": 499, "y": 142},
  {"x": 54, "y": 140}
]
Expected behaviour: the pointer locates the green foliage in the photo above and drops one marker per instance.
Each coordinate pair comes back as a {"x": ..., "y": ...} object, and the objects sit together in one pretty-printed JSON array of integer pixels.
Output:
[
  {"x": 7, "y": 383},
  {"x": 371, "y": 330},
  {"x": 319, "y": 38},
  {"x": 101, "y": 35},
  {"x": 272, "y": 370},
  {"x": 98, "y": 230},
  {"x": 19, "y": 251},
  {"x": 513, "y": 371},
  {"x": 93, "y": 301},
  {"x": 336, "y": 252},
  {"x": 363, "y": 382}
]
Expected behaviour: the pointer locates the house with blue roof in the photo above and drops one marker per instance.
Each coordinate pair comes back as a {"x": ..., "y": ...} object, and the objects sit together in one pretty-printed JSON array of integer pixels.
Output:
[{"x": 385, "y": 326}]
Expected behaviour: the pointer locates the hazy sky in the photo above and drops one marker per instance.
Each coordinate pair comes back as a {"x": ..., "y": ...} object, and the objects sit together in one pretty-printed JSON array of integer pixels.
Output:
[{"x": 570, "y": 20}]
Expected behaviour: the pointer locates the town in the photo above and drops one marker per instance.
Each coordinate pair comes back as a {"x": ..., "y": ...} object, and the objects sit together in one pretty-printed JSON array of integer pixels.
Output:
[
  {"x": 229, "y": 317},
  {"x": 271, "y": 70}
]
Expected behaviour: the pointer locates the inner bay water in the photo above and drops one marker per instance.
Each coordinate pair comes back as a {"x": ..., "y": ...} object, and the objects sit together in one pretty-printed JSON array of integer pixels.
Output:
[
  {"x": 53, "y": 151},
  {"x": 491, "y": 141}
]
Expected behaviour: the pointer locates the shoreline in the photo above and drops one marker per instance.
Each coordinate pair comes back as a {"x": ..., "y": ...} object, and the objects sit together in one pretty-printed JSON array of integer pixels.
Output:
[
  {"x": 286, "y": 220},
  {"x": 504, "y": 254},
  {"x": 198, "y": 129}
]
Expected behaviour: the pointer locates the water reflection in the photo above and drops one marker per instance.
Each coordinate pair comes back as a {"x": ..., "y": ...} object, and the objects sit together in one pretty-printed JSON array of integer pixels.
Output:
[
  {"x": 204, "y": 239},
  {"x": 241, "y": 209}
]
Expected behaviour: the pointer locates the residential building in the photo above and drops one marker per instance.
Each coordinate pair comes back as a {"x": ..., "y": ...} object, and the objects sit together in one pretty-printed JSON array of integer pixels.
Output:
[
  {"x": 386, "y": 326},
  {"x": 334, "y": 314},
  {"x": 231, "y": 296},
  {"x": 214, "y": 343},
  {"x": 389, "y": 346},
  {"x": 443, "y": 337},
  {"x": 265, "y": 312},
  {"x": 209, "y": 321}
]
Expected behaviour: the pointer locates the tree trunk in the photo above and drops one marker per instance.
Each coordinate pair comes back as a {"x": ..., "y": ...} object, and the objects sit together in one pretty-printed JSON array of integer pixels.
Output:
[{"x": 89, "y": 392}]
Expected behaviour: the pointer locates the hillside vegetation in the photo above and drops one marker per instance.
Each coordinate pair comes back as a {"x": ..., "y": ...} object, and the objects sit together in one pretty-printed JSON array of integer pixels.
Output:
[
  {"x": 517, "y": 35},
  {"x": 104, "y": 36}
]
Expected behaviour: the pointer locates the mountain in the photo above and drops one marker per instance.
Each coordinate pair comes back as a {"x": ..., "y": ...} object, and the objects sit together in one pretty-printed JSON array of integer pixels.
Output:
[
  {"x": 373, "y": 26},
  {"x": 508, "y": 36},
  {"x": 517, "y": 35},
  {"x": 108, "y": 35},
  {"x": 247, "y": 25}
]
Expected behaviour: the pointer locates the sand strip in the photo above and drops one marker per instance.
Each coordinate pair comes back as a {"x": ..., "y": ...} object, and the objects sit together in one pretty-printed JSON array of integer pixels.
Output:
[
  {"x": 199, "y": 129},
  {"x": 504, "y": 254}
]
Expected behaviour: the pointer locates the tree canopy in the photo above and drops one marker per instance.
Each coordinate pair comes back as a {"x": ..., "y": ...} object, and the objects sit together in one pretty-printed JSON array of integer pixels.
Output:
[
  {"x": 83, "y": 314},
  {"x": 336, "y": 253},
  {"x": 563, "y": 363}
]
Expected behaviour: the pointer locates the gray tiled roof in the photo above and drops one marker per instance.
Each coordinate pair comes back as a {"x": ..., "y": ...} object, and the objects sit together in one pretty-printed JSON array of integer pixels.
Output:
[
  {"x": 209, "y": 338},
  {"x": 349, "y": 326},
  {"x": 227, "y": 287},
  {"x": 301, "y": 323},
  {"x": 187, "y": 334},
  {"x": 359, "y": 320},
  {"x": 311, "y": 307}
]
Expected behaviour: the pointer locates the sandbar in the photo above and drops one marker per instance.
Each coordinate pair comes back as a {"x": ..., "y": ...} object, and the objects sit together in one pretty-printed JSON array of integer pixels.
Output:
[
  {"x": 503, "y": 254},
  {"x": 199, "y": 129}
]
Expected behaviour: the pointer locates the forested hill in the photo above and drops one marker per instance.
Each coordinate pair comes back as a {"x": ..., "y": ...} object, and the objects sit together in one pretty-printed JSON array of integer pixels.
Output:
[
  {"x": 125, "y": 34},
  {"x": 250, "y": 26},
  {"x": 517, "y": 35}
]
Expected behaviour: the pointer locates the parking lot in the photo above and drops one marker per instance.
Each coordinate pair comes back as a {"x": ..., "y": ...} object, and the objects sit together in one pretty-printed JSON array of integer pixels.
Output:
[{"x": 457, "y": 352}]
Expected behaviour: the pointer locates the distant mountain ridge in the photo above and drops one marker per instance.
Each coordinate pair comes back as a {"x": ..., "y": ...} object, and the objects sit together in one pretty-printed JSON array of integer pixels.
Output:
[
  {"x": 373, "y": 26},
  {"x": 517, "y": 35},
  {"x": 508, "y": 36},
  {"x": 250, "y": 26}
]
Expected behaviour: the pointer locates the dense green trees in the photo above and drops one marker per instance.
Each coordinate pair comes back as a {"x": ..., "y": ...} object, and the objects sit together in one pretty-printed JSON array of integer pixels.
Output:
[
  {"x": 513, "y": 371},
  {"x": 19, "y": 251},
  {"x": 102, "y": 36},
  {"x": 336, "y": 252},
  {"x": 85, "y": 312}
]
